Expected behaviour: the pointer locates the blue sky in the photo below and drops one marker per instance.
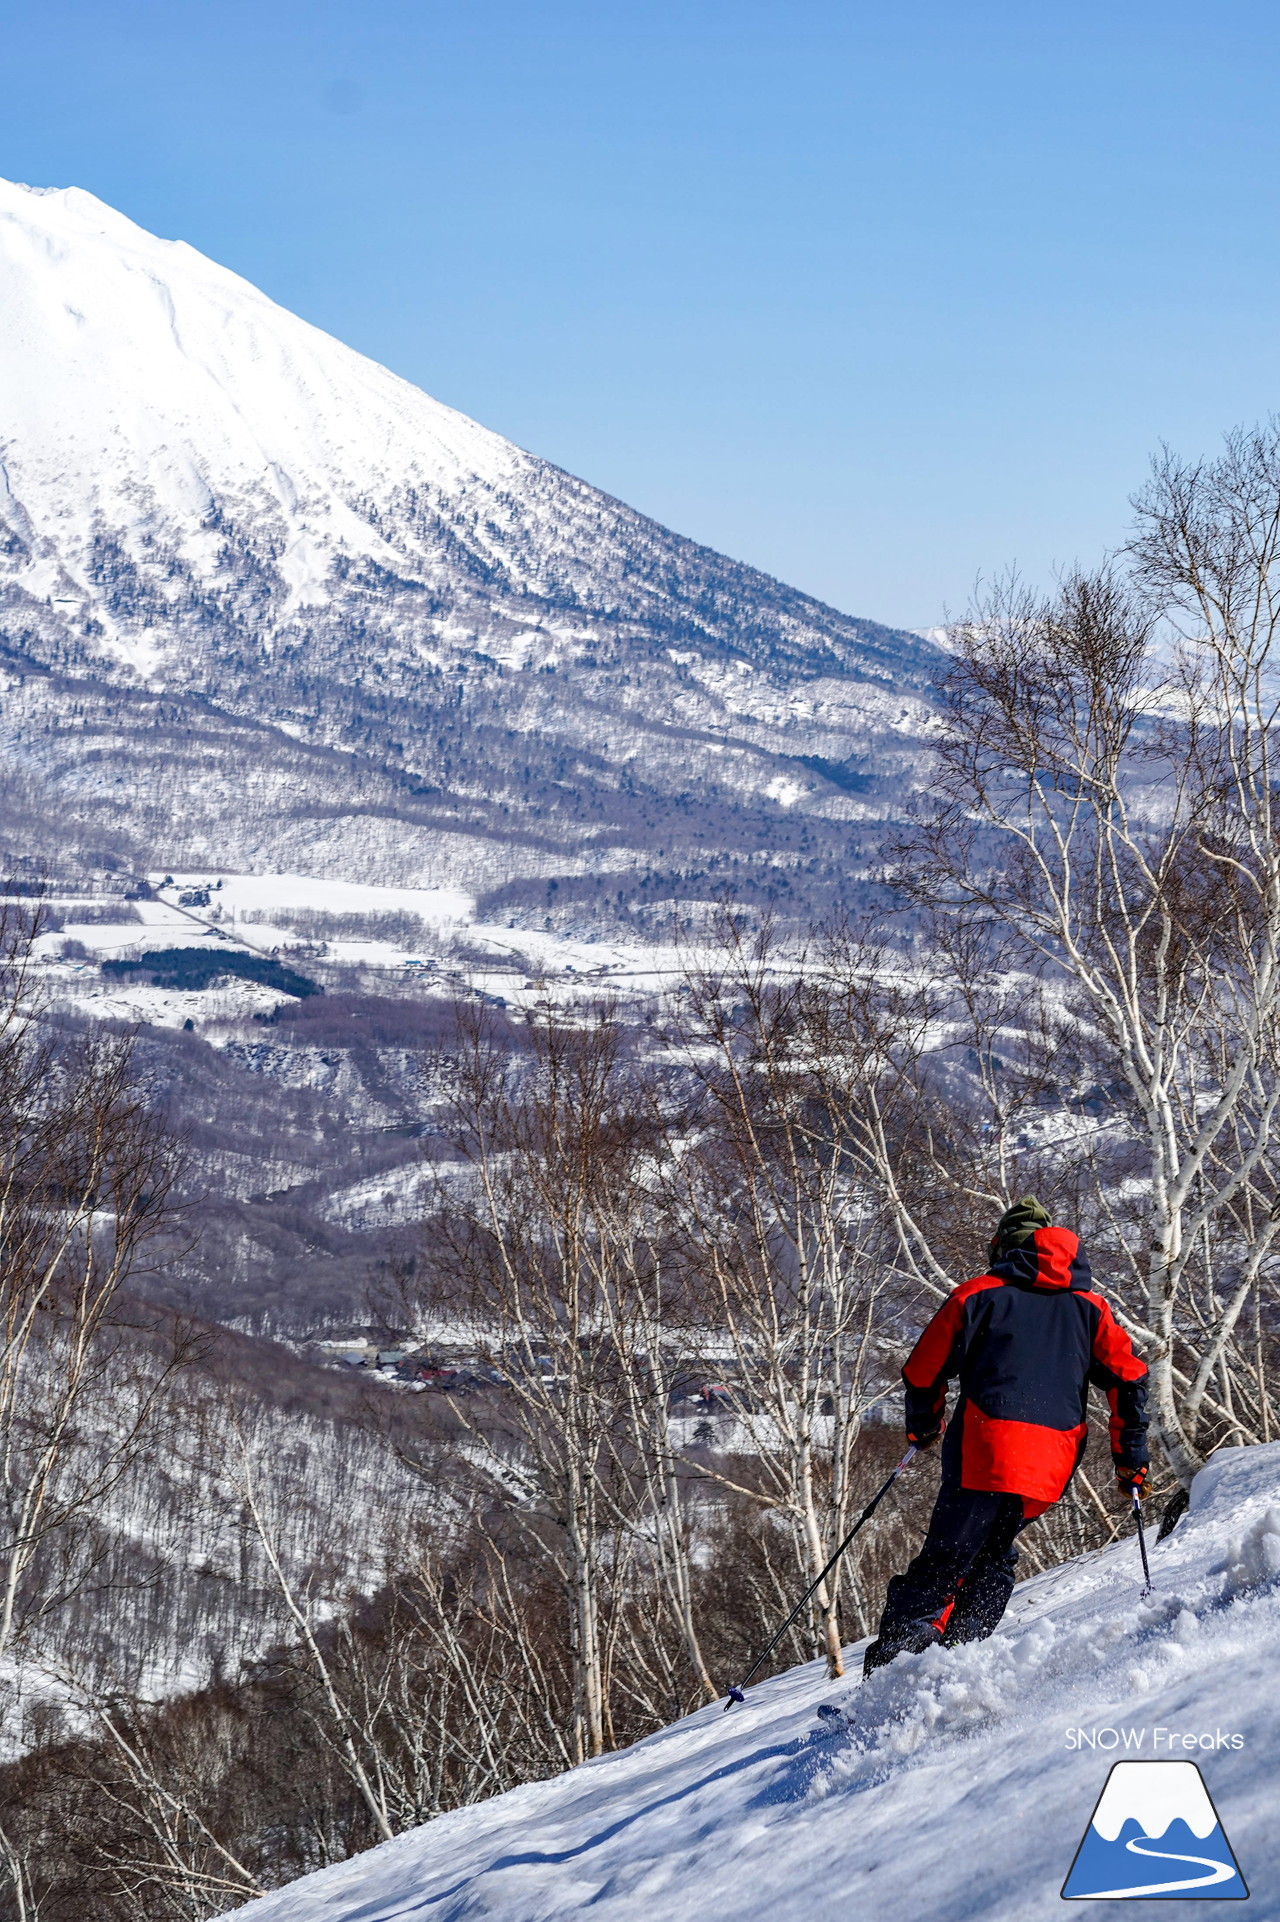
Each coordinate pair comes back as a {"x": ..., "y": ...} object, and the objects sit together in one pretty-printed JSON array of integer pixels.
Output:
[{"x": 876, "y": 297}]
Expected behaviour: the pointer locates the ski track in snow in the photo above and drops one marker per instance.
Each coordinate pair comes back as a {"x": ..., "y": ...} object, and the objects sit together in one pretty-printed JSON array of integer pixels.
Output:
[{"x": 945, "y": 1791}]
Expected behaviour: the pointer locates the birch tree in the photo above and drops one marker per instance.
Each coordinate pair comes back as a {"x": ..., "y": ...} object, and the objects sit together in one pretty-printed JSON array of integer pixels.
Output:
[
  {"x": 529, "y": 1241},
  {"x": 1107, "y": 782},
  {"x": 785, "y": 1238},
  {"x": 85, "y": 1171}
]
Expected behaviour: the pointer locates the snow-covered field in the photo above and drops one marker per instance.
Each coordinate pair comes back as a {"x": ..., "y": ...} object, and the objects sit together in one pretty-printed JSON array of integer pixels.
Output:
[
  {"x": 263, "y": 913},
  {"x": 267, "y": 893},
  {"x": 953, "y": 1785}
]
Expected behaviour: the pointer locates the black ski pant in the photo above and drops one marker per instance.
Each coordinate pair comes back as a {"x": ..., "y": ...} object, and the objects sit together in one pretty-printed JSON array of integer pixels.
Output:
[{"x": 967, "y": 1554}]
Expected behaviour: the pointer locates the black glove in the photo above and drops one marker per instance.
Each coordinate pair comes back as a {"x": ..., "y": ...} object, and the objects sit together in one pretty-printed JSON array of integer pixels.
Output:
[
  {"x": 924, "y": 1441},
  {"x": 1132, "y": 1480}
]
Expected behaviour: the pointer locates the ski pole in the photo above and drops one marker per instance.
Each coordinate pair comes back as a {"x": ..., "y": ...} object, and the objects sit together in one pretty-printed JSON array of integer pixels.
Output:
[
  {"x": 736, "y": 1694},
  {"x": 1142, "y": 1541}
]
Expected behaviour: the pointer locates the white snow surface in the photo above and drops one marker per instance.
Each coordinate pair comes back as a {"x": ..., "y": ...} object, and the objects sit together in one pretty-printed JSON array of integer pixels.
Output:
[
  {"x": 256, "y": 892},
  {"x": 129, "y": 356},
  {"x": 953, "y": 1785}
]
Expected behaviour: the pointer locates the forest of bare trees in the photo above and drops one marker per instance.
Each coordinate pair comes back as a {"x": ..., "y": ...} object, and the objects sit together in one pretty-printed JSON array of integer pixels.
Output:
[{"x": 688, "y": 1249}]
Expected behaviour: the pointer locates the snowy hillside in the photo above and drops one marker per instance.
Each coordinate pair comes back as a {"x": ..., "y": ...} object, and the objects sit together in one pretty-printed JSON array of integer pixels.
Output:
[
  {"x": 265, "y": 606},
  {"x": 954, "y": 1784},
  {"x": 145, "y": 383}
]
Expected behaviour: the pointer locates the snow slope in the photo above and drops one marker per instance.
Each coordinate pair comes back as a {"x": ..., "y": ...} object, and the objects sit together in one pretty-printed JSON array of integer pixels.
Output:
[
  {"x": 136, "y": 361},
  {"x": 955, "y": 1785},
  {"x": 265, "y": 606}
]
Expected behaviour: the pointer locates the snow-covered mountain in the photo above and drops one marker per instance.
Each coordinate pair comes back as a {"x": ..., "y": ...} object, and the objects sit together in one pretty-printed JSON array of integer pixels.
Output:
[
  {"x": 265, "y": 606},
  {"x": 952, "y": 1785}
]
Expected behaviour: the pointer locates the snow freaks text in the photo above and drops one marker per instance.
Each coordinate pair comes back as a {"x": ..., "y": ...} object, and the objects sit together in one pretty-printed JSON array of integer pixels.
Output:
[{"x": 1158, "y": 1740}]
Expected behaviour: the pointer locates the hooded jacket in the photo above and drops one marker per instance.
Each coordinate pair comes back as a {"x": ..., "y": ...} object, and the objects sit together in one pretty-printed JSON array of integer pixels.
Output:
[{"x": 1025, "y": 1340}]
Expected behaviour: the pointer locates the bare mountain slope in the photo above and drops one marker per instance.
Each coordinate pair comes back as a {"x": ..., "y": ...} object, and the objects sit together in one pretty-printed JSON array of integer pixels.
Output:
[{"x": 264, "y": 604}]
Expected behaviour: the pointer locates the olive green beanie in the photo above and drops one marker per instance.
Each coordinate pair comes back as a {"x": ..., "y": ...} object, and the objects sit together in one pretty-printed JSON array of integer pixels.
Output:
[{"x": 1019, "y": 1223}]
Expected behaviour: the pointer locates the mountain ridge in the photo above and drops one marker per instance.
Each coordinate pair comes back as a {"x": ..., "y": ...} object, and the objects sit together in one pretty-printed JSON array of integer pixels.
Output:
[{"x": 208, "y": 502}]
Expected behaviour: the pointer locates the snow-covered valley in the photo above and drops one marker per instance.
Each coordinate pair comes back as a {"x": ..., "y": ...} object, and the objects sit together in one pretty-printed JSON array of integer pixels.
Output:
[
  {"x": 955, "y": 1784},
  {"x": 307, "y": 1118}
]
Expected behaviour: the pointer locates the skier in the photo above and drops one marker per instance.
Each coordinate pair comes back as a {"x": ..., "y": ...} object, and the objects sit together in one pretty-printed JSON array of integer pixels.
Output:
[{"x": 1025, "y": 1339}]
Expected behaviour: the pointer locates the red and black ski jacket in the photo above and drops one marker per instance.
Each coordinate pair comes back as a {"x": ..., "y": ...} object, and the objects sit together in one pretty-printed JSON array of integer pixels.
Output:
[{"x": 1026, "y": 1340}]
